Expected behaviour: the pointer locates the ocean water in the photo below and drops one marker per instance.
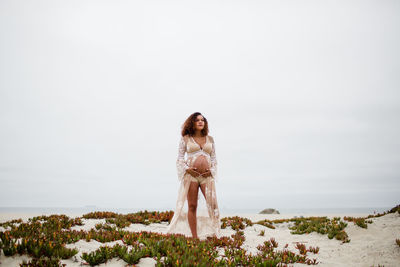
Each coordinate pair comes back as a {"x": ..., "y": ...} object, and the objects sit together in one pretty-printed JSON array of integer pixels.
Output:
[
  {"x": 338, "y": 210},
  {"x": 87, "y": 209}
]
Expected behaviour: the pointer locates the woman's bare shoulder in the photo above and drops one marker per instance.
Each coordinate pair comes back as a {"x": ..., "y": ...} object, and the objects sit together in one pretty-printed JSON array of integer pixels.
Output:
[{"x": 211, "y": 138}]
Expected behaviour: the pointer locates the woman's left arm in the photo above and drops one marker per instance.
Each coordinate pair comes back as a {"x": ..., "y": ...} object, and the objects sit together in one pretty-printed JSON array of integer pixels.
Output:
[{"x": 213, "y": 157}]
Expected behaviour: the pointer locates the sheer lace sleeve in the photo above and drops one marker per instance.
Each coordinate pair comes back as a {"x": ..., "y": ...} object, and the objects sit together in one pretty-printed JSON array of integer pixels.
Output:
[
  {"x": 181, "y": 164},
  {"x": 213, "y": 167}
]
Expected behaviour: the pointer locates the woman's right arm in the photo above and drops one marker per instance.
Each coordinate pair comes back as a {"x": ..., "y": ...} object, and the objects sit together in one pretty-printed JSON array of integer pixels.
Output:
[{"x": 181, "y": 164}]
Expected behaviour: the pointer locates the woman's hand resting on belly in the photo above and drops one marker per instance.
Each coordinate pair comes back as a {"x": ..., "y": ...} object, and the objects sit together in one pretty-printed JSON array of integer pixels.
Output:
[
  {"x": 206, "y": 173},
  {"x": 193, "y": 171}
]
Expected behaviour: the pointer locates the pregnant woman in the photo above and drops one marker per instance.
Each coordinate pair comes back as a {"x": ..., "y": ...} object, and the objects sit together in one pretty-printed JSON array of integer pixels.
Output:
[{"x": 196, "y": 217}]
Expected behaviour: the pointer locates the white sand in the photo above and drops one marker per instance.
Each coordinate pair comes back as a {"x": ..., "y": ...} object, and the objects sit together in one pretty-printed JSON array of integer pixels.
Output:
[{"x": 367, "y": 247}]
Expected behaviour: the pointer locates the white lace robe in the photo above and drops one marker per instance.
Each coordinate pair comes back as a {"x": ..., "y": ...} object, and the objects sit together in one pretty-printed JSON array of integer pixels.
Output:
[{"x": 207, "y": 214}]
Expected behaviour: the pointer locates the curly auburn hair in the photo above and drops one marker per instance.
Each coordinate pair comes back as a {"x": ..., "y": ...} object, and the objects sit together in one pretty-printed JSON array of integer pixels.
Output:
[{"x": 188, "y": 125}]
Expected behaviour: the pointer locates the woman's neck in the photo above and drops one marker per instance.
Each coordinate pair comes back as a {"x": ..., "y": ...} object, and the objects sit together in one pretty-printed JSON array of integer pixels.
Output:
[{"x": 197, "y": 134}]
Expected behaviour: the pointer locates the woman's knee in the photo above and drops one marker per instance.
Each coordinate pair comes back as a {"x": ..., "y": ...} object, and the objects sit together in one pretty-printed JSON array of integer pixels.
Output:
[{"x": 192, "y": 207}]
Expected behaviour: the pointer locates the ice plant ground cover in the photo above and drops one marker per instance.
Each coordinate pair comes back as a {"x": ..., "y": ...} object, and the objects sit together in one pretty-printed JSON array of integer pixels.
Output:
[{"x": 49, "y": 239}]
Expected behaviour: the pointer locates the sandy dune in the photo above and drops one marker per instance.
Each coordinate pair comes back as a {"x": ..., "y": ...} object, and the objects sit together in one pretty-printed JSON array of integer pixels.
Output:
[{"x": 368, "y": 247}]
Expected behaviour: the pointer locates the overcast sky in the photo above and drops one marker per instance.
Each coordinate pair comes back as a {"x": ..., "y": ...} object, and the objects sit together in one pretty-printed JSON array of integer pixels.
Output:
[{"x": 302, "y": 99}]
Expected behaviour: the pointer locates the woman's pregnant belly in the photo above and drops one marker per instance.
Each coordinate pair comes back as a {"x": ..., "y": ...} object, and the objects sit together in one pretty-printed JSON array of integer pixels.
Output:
[{"x": 201, "y": 164}]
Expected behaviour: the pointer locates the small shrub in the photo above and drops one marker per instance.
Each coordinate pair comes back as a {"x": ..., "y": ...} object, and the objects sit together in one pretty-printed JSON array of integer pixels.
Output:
[
  {"x": 342, "y": 235},
  {"x": 100, "y": 255},
  {"x": 302, "y": 248},
  {"x": 313, "y": 249},
  {"x": 43, "y": 262}
]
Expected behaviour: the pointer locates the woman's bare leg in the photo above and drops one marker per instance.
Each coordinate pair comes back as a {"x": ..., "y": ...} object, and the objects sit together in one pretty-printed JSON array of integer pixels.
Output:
[
  {"x": 203, "y": 190},
  {"x": 192, "y": 207}
]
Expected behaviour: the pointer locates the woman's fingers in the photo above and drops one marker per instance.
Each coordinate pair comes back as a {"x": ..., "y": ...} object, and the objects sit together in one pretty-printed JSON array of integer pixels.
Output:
[
  {"x": 194, "y": 173},
  {"x": 206, "y": 174}
]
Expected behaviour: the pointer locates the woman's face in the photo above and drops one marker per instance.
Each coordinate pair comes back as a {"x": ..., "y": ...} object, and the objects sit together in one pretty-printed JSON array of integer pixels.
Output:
[{"x": 199, "y": 123}]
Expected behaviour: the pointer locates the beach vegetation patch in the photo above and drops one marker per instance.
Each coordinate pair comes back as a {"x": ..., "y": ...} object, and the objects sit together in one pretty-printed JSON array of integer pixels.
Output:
[
  {"x": 392, "y": 210},
  {"x": 100, "y": 255},
  {"x": 11, "y": 223},
  {"x": 105, "y": 226},
  {"x": 124, "y": 220},
  {"x": 43, "y": 261},
  {"x": 235, "y": 222},
  {"x": 313, "y": 249},
  {"x": 323, "y": 225},
  {"x": 285, "y": 256},
  {"x": 266, "y": 223},
  {"x": 99, "y": 215},
  {"x": 302, "y": 248},
  {"x": 361, "y": 221},
  {"x": 45, "y": 237}
]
